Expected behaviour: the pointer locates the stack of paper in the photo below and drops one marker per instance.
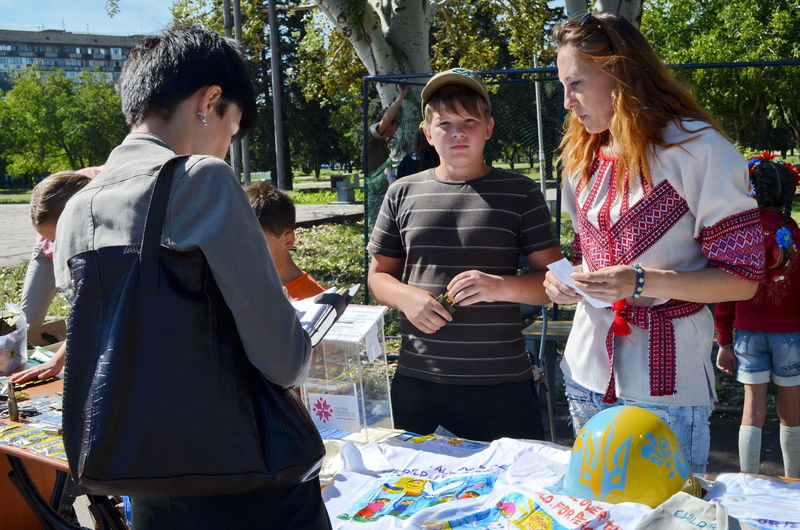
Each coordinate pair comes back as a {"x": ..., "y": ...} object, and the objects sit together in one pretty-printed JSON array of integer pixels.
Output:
[
  {"x": 319, "y": 313},
  {"x": 310, "y": 312}
]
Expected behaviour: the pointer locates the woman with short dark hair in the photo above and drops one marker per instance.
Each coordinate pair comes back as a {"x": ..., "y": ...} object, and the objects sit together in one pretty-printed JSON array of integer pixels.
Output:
[{"x": 187, "y": 92}]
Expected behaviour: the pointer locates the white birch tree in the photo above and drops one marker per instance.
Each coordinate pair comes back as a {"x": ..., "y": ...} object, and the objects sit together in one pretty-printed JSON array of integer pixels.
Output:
[
  {"x": 389, "y": 36},
  {"x": 630, "y": 9}
]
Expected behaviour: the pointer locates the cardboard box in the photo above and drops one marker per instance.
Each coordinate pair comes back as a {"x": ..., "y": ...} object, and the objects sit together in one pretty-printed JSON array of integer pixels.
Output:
[{"x": 48, "y": 333}]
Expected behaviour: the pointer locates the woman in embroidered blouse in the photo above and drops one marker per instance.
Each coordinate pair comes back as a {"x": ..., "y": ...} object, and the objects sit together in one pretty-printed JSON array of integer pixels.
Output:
[{"x": 663, "y": 224}]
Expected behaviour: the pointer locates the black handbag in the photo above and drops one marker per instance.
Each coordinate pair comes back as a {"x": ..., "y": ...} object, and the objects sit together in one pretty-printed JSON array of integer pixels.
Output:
[{"x": 159, "y": 397}]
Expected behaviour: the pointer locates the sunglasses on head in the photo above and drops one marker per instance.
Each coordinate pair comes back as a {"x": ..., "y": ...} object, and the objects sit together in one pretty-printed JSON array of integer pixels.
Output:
[{"x": 589, "y": 20}]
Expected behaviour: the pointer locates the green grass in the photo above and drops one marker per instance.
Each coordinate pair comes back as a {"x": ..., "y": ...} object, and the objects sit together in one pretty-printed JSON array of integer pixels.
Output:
[
  {"x": 332, "y": 253},
  {"x": 324, "y": 174},
  {"x": 320, "y": 197},
  {"x": 11, "y": 280},
  {"x": 15, "y": 196}
]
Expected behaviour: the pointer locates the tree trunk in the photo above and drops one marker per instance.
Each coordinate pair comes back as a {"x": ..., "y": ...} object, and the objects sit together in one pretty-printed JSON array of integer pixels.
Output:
[
  {"x": 630, "y": 9},
  {"x": 576, "y": 8},
  {"x": 389, "y": 36}
]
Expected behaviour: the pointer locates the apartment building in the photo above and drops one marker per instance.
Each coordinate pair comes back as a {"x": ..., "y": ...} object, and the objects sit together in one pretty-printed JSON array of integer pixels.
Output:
[{"x": 70, "y": 52}]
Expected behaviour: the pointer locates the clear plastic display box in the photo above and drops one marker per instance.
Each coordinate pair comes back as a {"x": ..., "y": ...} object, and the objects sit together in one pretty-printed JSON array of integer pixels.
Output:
[{"x": 347, "y": 390}]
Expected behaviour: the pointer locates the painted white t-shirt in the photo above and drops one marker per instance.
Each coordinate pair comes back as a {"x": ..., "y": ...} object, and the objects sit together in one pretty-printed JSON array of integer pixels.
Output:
[
  {"x": 760, "y": 501},
  {"x": 440, "y": 483}
]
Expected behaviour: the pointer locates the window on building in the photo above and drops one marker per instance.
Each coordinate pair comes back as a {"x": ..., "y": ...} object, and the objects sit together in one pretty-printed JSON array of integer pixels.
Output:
[{"x": 5, "y": 47}]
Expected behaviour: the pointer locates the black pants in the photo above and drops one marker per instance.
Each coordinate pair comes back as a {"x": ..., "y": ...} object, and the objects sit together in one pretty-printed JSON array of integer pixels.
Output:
[
  {"x": 295, "y": 507},
  {"x": 476, "y": 412}
]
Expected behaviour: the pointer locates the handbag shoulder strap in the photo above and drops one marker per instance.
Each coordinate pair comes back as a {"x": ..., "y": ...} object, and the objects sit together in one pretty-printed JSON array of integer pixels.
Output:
[{"x": 156, "y": 212}]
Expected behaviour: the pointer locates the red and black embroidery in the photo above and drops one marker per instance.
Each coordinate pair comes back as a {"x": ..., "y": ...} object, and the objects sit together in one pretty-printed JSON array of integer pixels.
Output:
[
  {"x": 736, "y": 245},
  {"x": 606, "y": 244},
  {"x": 635, "y": 231},
  {"x": 660, "y": 344}
]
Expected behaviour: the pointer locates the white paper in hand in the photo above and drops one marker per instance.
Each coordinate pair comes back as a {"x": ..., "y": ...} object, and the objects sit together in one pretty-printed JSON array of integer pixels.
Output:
[
  {"x": 311, "y": 313},
  {"x": 562, "y": 269}
]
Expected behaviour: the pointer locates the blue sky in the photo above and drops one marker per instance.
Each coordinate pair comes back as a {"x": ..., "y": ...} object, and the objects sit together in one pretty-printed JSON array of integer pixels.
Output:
[{"x": 134, "y": 17}]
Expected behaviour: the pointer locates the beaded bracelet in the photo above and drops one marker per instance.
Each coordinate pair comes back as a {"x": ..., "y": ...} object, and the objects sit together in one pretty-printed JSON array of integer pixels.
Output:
[{"x": 637, "y": 290}]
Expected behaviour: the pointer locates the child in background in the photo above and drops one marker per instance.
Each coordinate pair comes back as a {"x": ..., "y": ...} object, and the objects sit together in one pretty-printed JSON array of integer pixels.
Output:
[
  {"x": 458, "y": 229},
  {"x": 47, "y": 202},
  {"x": 424, "y": 156},
  {"x": 381, "y": 135},
  {"x": 39, "y": 288},
  {"x": 767, "y": 338},
  {"x": 276, "y": 214}
]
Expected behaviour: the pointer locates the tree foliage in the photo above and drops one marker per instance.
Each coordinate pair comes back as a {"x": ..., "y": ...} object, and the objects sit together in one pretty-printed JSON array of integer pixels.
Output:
[
  {"x": 325, "y": 52},
  {"x": 479, "y": 35},
  {"x": 50, "y": 122},
  {"x": 759, "y": 107}
]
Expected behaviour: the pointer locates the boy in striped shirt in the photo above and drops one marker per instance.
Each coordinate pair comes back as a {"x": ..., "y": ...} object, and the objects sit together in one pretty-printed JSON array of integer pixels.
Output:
[{"x": 459, "y": 229}]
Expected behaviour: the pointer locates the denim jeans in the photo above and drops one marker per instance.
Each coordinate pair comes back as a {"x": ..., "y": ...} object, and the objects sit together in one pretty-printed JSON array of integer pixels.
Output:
[
  {"x": 760, "y": 353},
  {"x": 689, "y": 424}
]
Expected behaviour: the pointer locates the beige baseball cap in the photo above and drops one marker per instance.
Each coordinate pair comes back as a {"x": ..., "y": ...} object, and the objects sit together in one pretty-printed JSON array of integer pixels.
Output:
[{"x": 454, "y": 76}]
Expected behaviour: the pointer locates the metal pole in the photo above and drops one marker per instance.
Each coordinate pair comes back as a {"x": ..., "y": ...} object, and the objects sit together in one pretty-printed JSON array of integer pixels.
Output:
[
  {"x": 244, "y": 143},
  {"x": 365, "y": 168},
  {"x": 235, "y": 148},
  {"x": 237, "y": 21},
  {"x": 226, "y": 17},
  {"x": 246, "y": 159},
  {"x": 539, "y": 128},
  {"x": 276, "y": 95},
  {"x": 559, "y": 98}
]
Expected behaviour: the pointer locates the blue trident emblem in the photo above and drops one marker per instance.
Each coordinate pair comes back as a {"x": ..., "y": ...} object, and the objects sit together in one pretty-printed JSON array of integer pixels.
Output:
[{"x": 603, "y": 471}]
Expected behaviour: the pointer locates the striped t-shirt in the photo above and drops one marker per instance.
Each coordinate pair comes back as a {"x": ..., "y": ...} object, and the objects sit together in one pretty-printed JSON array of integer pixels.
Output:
[{"x": 442, "y": 228}]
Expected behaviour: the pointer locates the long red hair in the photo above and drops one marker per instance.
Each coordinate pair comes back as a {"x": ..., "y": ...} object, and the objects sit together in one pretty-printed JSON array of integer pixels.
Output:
[{"x": 646, "y": 97}]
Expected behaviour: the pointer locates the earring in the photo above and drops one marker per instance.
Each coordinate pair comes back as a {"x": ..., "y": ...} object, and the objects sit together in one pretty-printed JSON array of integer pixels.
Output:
[{"x": 203, "y": 119}]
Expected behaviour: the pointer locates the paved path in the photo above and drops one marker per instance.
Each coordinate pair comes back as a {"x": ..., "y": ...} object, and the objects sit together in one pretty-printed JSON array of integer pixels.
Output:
[{"x": 17, "y": 236}]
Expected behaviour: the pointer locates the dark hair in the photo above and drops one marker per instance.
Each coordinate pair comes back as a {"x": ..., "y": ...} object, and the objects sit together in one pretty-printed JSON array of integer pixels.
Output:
[
  {"x": 427, "y": 157},
  {"x": 51, "y": 195},
  {"x": 163, "y": 70},
  {"x": 452, "y": 96},
  {"x": 273, "y": 208},
  {"x": 774, "y": 185}
]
